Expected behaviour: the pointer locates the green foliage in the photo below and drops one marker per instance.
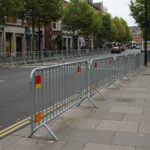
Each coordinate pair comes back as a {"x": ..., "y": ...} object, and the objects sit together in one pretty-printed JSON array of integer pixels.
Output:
[
  {"x": 106, "y": 34},
  {"x": 79, "y": 16},
  {"x": 9, "y": 8},
  {"x": 128, "y": 35},
  {"x": 97, "y": 25},
  {"x": 113, "y": 33},
  {"x": 121, "y": 29},
  {"x": 137, "y": 8},
  {"x": 43, "y": 11}
]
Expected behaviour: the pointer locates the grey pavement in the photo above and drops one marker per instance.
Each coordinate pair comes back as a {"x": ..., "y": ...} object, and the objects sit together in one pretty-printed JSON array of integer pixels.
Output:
[{"x": 121, "y": 122}]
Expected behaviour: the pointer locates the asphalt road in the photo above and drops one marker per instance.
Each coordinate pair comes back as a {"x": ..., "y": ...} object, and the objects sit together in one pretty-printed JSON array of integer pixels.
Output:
[{"x": 14, "y": 91}]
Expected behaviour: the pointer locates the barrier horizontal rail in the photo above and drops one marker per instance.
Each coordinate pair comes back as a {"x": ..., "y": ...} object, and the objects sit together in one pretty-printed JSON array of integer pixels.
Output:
[
  {"x": 55, "y": 89},
  {"x": 44, "y": 55}
]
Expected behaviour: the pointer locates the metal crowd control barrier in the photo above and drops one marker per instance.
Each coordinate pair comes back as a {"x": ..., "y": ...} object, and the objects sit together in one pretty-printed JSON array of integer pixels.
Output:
[
  {"x": 142, "y": 59},
  {"x": 101, "y": 74},
  {"x": 55, "y": 89},
  {"x": 119, "y": 67},
  {"x": 138, "y": 60},
  {"x": 44, "y": 55}
]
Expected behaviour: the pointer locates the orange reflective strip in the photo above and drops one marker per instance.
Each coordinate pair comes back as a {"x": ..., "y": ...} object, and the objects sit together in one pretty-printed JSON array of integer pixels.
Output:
[
  {"x": 38, "y": 117},
  {"x": 95, "y": 86}
]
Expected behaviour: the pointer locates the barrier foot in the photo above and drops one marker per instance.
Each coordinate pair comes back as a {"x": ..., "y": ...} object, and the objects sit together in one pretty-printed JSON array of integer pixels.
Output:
[
  {"x": 99, "y": 92},
  {"x": 92, "y": 102},
  {"x": 119, "y": 83},
  {"x": 115, "y": 85},
  {"x": 51, "y": 132},
  {"x": 128, "y": 77},
  {"x": 45, "y": 137}
]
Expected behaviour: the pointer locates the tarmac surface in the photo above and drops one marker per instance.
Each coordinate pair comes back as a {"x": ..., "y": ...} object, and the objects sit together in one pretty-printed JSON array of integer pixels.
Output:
[{"x": 121, "y": 122}]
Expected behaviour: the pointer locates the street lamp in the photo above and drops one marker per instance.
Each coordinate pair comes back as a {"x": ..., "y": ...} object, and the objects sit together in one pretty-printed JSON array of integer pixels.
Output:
[{"x": 146, "y": 25}]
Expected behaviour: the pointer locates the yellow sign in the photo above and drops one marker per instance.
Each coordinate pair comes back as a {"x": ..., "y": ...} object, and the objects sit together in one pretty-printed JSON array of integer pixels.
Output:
[{"x": 12, "y": 45}]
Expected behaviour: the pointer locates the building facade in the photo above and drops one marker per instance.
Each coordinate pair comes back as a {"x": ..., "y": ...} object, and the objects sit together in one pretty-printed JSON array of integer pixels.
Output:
[
  {"x": 13, "y": 37},
  {"x": 136, "y": 32},
  {"x": 58, "y": 38}
]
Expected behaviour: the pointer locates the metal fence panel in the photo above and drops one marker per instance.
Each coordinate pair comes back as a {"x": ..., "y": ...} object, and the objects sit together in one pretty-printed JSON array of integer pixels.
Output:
[
  {"x": 138, "y": 60},
  {"x": 55, "y": 89},
  {"x": 101, "y": 73},
  {"x": 131, "y": 63},
  {"x": 119, "y": 67}
]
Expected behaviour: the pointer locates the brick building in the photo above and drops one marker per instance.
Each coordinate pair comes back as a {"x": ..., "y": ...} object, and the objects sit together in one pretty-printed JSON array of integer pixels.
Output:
[
  {"x": 136, "y": 32},
  {"x": 56, "y": 37}
]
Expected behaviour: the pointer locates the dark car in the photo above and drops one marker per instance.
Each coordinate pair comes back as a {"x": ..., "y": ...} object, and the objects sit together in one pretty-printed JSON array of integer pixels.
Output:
[{"x": 115, "y": 49}]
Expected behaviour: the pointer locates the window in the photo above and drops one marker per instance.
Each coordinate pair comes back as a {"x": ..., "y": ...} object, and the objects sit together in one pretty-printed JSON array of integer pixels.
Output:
[
  {"x": 19, "y": 21},
  {"x": 56, "y": 25}
]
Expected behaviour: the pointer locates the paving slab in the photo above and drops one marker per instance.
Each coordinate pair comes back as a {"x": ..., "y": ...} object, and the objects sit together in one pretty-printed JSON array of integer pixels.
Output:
[
  {"x": 146, "y": 110},
  {"x": 126, "y": 109},
  {"x": 86, "y": 135},
  {"x": 136, "y": 117},
  {"x": 83, "y": 123},
  {"x": 140, "y": 103},
  {"x": 141, "y": 148},
  {"x": 105, "y": 115},
  {"x": 32, "y": 144},
  {"x": 77, "y": 112},
  {"x": 74, "y": 146},
  {"x": 144, "y": 127},
  {"x": 110, "y": 125},
  {"x": 9, "y": 140},
  {"x": 92, "y": 146},
  {"x": 132, "y": 139}
]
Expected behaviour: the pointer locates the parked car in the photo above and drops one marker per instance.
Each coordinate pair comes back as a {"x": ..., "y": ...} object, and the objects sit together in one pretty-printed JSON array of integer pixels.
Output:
[
  {"x": 116, "y": 49},
  {"x": 138, "y": 47}
]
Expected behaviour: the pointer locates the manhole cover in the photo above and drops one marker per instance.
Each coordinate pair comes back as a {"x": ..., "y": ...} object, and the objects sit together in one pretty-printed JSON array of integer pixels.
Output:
[{"x": 128, "y": 100}]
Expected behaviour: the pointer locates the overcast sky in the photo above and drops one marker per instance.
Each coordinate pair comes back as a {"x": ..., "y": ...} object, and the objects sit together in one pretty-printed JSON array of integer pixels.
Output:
[{"x": 119, "y": 8}]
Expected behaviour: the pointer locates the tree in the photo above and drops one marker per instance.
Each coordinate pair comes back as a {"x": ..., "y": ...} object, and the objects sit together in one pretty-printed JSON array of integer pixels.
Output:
[
  {"x": 9, "y": 8},
  {"x": 137, "y": 8},
  {"x": 106, "y": 34},
  {"x": 128, "y": 35},
  {"x": 113, "y": 32},
  {"x": 79, "y": 17},
  {"x": 121, "y": 29},
  {"x": 41, "y": 12},
  {"x": 97, "y": 24}
]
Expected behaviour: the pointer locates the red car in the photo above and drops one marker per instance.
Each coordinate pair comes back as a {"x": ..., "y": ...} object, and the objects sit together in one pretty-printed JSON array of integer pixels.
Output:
[{"x": 115, "y": 49}]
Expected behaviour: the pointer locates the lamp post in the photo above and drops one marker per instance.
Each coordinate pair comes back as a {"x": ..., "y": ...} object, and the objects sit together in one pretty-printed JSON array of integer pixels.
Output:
[{"x": 146, "y": 25}]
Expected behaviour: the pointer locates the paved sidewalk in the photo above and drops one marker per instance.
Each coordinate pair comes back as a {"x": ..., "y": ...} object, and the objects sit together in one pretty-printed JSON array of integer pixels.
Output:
[{"x": 122, "y": 122}]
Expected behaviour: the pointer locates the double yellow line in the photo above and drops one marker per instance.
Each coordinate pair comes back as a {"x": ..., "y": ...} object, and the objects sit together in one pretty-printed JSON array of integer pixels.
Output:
[
  {"x": 14, "y": 127},
  {"x": 26, "y": 121}
]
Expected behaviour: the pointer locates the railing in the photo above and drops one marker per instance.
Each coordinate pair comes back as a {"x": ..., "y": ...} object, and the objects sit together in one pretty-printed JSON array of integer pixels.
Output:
[
  {"x": 35, "y": 56},
  {"x": 55, "y": 89}
]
